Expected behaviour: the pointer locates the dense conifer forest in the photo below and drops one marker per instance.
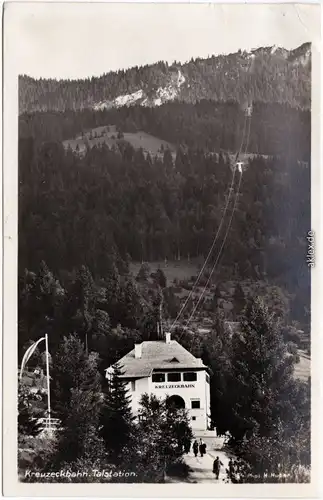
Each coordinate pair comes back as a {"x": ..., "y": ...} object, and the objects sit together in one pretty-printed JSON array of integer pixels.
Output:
[
  {"x": 85, "y": 218},
  {"x": 156, "y": 208},
  {"x": 207, "y": 125}
]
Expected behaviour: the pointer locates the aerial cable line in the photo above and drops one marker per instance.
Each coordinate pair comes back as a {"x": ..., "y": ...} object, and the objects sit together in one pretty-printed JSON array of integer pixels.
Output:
[
  {"x": 218, "y": 231},
  {"x": 225, "y": 236},
  {"x": 248, "y": 113},
  {"x": 248, "y": 136},
  {"x": 219, "y": 254},
  {"x": 243, "y": 135},
  {"x": 209, "y": 254}
]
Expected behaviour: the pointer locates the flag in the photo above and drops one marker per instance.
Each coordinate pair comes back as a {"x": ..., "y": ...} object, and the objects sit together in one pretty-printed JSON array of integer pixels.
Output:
[{"x": 28, "y": 354}]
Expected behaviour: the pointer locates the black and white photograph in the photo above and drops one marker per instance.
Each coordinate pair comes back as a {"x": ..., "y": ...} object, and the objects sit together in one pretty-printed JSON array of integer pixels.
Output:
[{"x": 165, "y": 243}]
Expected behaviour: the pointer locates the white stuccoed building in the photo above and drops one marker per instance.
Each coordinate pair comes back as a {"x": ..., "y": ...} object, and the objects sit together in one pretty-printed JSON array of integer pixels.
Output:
[{"x": 167, "y": 369}]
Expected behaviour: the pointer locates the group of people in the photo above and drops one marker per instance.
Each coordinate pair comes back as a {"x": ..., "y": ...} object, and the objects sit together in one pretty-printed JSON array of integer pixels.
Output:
[
  {"x": 197, "y": 447},
  {"x": 217, "y": 467},
  {"x": 200, "y": 447}
]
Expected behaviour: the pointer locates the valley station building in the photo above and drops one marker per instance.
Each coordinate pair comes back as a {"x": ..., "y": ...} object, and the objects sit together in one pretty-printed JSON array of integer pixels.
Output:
[{"x": 168, "y": 370}]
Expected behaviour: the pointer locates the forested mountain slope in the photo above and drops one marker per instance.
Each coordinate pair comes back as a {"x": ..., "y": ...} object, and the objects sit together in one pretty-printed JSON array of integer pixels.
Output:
[
  {"x": 277, "y": 75},
  {"x": 75, "y": 210},
  {"x": 118, "y": 200},
  {"x": 276, "y": 129}
]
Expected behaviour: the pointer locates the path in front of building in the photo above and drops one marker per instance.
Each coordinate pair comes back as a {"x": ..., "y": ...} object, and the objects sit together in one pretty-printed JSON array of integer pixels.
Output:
[{"x": 201, "y": 467}]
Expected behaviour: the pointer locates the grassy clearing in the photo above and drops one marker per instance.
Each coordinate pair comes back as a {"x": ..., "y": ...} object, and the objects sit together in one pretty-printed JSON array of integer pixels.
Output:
[
  {"x": 108, "y": 135},
  {"x": 180, "y": 270}
]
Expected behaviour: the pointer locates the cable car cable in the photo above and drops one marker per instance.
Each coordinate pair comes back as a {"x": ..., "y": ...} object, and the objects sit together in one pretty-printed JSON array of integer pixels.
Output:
[
  {"x": 226, "y": 234},
  {"x": 219, "y": 254},
  {"x": 219, "y": 228},
  {"x": 209, "y": 254}
]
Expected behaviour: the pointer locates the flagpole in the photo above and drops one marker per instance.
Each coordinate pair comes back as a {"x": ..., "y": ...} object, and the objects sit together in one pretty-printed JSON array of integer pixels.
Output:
[{"x": 47, "y": 373}]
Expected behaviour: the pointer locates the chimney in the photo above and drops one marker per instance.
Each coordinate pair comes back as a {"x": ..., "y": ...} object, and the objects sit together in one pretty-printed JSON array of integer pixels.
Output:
[
  {"x": 168, "y": 339},
  {"x": 138, "y": 350}
]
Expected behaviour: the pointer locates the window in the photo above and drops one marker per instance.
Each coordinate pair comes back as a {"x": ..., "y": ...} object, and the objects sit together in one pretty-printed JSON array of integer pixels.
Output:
[
  {"x": 133, "y": 385},
  {"x": 193, "y": 418},
  {"x": 158, "y": 377},
  {"x": 207, "y": 378},
  {"x": 195, "y": 403},
  {"x": 190, "y": 377},
  {"x": 173, "y": 377}
]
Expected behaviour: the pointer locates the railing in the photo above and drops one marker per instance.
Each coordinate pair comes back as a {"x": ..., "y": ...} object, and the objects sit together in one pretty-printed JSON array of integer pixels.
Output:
[{"x": 52, "y": 424}]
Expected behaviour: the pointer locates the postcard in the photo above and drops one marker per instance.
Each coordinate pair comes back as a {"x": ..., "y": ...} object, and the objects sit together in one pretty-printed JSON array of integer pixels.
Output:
[{"x": 161, "y": 230}]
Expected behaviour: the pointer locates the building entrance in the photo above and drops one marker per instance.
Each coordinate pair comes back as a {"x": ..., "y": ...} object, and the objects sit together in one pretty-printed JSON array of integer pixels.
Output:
[{"x": 176, "y": 401}]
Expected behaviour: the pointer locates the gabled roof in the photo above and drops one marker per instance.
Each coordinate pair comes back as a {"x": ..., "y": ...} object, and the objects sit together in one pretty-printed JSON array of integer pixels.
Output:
[{"x": 157, "y": 355}]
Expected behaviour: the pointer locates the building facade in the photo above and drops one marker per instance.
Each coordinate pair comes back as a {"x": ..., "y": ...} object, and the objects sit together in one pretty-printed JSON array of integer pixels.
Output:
[{"x": 168, "y": 370}]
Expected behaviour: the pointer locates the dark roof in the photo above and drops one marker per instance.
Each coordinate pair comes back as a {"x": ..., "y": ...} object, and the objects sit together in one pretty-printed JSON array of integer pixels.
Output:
[{"x": 156, "y": 355}]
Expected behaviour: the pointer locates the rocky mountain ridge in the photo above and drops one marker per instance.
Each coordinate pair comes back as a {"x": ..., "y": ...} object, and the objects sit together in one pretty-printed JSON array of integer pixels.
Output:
[
  {"x": 277, "y": 75},
  {"x": 163, "y": 94}
]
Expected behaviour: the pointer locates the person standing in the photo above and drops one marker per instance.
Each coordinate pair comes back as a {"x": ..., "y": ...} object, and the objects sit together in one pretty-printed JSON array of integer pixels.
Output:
[
  {"x": 187, "y": 445},
  {"x": 195, "y": 448},
  {"x": 201, "y": 447},
  {"x": 231, "y": 469},
  {"x": 204, "y": 448},
  {"x": 217, "y": 467}
]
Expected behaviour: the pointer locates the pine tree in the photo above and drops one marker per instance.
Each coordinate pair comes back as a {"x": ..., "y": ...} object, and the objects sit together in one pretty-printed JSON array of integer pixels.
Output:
[
  {"x": 216, "y": 296},
  {"x": 285, "y": 454},
  {"x": 130, "y": 305},
  {"x": 41, "y": 298},
  {"x": 262, "y": 374},
  {"x": 216, "y": 353},
  {"x": 161, "y": 278},
  {"x": 80, "y": 435},
  {"x": 74, "y": 370},
  {"x": 171, "y": 303},
  {"x": 149, "y": 324},
  {"x": 83, "y": 298},
  {"x": 160, "y": 437},
  {"x": 117, "y": 419},
  {"x": 144, "y": 272},
  {"x": 77, "y": 402},
  {"x": 168, "y": 159},
  {"x": 112, "y": 278},
  {"x": 152, "y": 319},
  {"x": 102, "y": 336},
  {"x": 122, "y": 264},
  {"x": 239, "y": 300},
  {"x": 277, "y": 458}
]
